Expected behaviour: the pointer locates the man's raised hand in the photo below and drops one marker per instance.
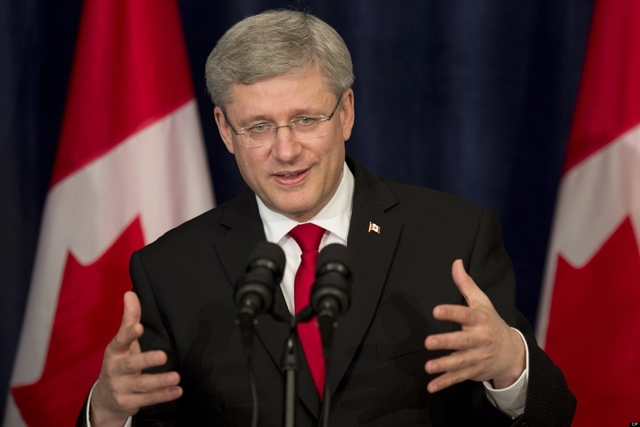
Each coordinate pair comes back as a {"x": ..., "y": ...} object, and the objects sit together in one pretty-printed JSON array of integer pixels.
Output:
[
  {"x": 122, "y": 388},
  {"x": 485, "y": 349}
]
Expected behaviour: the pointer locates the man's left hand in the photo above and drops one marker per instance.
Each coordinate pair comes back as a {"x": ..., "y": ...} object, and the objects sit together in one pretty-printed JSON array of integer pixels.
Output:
[{"x": 485, "y": 349}]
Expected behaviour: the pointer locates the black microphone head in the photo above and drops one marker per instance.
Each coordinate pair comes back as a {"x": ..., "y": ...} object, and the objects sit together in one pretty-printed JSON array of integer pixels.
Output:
[
  {"x": 332, "y": 288},
  {"x": 263, "y": 273},
  {"x": 270, "y": 256},
  {"x": 334, "y": 257}
]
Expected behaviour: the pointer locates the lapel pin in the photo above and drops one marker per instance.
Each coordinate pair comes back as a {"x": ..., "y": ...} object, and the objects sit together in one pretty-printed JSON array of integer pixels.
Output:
[{"x": 374, "y": 227}]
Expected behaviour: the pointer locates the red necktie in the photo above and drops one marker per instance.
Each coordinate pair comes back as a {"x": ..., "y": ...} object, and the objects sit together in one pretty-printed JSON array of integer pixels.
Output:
[{"x": 308, "y": 237}]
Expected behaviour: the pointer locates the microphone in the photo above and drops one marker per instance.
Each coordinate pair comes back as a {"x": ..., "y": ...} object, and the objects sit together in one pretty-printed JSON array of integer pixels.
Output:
[
  {"x": 256, "y": 287},
  {"x": 331, "y": 293}
]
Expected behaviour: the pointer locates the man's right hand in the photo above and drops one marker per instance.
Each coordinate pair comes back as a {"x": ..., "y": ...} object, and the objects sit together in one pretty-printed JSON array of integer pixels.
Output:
[{"x": 122, "y": 388}]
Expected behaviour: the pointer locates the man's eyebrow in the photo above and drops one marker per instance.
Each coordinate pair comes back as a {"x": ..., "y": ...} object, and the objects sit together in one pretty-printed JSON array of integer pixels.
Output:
[
  {"x": 256, "y": 119},
  {"x": 305, "y": 112}
]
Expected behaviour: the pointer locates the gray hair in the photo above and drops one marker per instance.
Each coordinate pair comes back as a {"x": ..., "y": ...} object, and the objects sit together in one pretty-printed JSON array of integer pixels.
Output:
[{"x": 275, "y": 43}]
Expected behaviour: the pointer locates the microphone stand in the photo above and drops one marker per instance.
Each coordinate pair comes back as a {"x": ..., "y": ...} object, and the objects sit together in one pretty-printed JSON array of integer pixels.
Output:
[
  {"x": 291, "y": 365},
  {"x": 327, "y": 324}
]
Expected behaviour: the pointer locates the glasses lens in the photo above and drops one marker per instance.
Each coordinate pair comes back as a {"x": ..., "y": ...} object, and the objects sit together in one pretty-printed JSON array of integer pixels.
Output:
[
  {"x": 304, "y": 128},
  {"x": 262, "y": 132}
]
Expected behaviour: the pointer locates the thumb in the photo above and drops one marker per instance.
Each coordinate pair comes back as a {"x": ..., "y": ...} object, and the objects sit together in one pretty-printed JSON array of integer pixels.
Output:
[
  {"x": 132, "y": 310},
  {"x": 464, "y": 282},
  {"x": 130, "y": 329}
]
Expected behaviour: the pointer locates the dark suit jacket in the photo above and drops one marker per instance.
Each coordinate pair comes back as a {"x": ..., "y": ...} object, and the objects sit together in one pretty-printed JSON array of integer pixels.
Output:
[{"x": 185, "y": 282}]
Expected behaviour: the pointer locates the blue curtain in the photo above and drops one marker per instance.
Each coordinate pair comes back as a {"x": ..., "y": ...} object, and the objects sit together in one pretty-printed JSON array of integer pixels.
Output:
[{"x": 473, "y": 97}]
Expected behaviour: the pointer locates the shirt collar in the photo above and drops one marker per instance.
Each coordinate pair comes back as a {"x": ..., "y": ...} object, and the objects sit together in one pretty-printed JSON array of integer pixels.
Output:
[{"x": 334, "y": 217}]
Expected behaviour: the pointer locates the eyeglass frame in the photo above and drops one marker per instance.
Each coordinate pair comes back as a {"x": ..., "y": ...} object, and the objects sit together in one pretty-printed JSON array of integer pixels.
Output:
[{"x": 275, "y": 127}]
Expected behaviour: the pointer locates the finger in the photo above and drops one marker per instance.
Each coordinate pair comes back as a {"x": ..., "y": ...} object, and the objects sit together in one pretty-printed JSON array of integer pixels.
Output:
[
  {"x": 450, "y": 378},
  {"x": 455, "y": 361},
  {"x": 133, "y": 402},
  {"x": 458, "y": 313},
  {"x": 459, "y": 340},
  {"x": 138, "y": 362},
  {"x": 126, "y": 338},
  {"x": 135, "y": 347},
  {"x": 148, "y": 383}
]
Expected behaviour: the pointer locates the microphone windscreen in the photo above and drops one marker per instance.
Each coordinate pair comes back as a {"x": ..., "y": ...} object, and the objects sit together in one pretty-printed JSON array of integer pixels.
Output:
[
  {"x": 267, "y": 251},
  {"x": 332, "y": 256}
]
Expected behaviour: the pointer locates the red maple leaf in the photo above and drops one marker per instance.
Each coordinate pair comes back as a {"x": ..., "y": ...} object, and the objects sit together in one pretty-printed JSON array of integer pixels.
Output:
[
  {"x": 594, "y": 331},
  {"x": 88, "y": 315}
]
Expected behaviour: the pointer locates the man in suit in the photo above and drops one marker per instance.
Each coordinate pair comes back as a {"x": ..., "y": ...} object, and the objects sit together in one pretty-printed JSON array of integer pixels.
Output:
[{"x": 423, "y": 343}]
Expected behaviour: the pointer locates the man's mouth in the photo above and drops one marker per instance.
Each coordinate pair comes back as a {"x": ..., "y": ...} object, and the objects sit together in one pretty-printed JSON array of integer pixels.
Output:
[{"x": 291, "y": 177}]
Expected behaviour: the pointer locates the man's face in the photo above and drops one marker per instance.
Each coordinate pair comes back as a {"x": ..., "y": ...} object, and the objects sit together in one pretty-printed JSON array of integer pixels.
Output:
[{"x": 293, "y": 177}]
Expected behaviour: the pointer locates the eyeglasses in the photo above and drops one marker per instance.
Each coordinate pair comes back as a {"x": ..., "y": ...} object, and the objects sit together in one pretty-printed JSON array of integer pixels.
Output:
[{"x": 304, "y": 128}]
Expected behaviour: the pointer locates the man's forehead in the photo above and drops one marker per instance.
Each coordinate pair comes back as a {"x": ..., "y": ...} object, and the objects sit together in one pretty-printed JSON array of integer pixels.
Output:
[{"x": 293, "y": 91}]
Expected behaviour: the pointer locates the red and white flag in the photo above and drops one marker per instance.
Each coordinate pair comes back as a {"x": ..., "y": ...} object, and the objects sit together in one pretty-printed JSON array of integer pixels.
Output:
[
  {"x": 589, "y": 319},
  {"x": 130, "y": 165}
]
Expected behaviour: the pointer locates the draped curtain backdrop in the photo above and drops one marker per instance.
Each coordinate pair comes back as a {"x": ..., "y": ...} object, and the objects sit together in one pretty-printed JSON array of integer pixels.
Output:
[{"x": 473, "y": 97}]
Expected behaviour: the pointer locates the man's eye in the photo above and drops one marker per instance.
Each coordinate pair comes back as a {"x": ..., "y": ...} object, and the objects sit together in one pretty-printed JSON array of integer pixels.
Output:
[
  {"x": 262, "y": 127},
  {"x": 306, "y": 121}
]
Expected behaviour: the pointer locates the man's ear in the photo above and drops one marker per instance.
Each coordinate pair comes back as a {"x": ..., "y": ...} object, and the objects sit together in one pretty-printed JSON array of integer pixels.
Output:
[
  {"x": 223, "y": 128},
  {"x": 347, "y": 113}
]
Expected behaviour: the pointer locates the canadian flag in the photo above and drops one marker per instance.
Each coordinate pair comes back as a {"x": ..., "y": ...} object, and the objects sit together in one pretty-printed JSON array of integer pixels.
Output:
[
  {"x": 589, "y": 319},
  {"x": 130, "y": 165}
]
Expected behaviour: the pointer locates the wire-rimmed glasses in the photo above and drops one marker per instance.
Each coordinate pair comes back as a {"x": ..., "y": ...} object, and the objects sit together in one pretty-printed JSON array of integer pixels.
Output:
[{"x": 303, "y": 128}]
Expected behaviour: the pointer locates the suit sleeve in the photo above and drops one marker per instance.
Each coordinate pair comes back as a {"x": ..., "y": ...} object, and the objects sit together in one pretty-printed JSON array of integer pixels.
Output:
[{"x": 549, "y": 401}]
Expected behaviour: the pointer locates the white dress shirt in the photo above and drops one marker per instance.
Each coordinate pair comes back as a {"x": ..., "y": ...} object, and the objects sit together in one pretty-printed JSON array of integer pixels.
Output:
[{"x": 334, "y": 218}]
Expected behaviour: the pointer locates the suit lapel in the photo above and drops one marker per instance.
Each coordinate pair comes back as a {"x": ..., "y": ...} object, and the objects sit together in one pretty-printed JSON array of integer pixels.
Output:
[
  {"x": 245, "y": 230},
  {"x": 371, "y": 255},
  {"x": 242, "y": 218}
]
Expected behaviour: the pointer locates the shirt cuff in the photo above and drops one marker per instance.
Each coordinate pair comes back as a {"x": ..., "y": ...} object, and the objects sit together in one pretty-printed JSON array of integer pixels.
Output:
[
  {"x": 511, "y": 400},
  {"x": 127, "y": 424}
]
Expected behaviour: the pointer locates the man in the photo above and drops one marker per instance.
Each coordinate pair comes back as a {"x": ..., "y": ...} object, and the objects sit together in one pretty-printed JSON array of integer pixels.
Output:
[{"x": 423, "y": 342}]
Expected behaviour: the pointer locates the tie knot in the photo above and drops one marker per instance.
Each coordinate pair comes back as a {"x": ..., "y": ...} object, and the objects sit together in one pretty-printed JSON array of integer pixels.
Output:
[{"x": 307, "y": 236}]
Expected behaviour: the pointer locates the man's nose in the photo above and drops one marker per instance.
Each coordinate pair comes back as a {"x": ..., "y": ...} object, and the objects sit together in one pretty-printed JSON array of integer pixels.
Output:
[{"x": 286, "y": 146}]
